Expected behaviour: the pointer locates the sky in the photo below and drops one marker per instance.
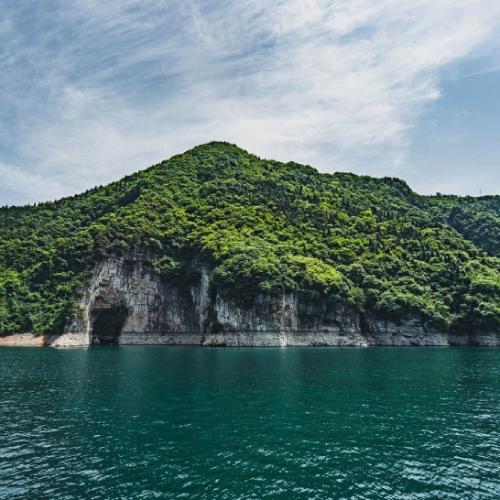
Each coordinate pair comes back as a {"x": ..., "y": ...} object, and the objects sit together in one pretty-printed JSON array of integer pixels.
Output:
[{"x": 91, "y": 91}]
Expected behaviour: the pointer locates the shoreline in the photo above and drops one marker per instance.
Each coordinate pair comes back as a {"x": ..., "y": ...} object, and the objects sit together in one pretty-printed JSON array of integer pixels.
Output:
[
  {"x": 23, "y": 340},
  {"x": 263, "y": 339}
]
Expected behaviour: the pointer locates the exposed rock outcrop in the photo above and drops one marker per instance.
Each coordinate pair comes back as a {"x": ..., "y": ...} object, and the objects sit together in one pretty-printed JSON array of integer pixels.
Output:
[{"x": 164, "y": 312}]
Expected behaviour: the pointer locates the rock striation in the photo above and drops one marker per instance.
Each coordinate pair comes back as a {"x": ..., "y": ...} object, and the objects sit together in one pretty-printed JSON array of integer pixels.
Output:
[{"x": 156, "y": 311}]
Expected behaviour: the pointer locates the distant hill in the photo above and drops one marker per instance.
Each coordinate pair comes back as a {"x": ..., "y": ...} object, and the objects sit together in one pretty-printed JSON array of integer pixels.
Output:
[{"x": 261, "y": 227}]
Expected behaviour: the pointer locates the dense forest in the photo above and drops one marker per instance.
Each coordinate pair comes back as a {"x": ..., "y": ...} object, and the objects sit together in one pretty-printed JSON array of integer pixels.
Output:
[{"x": 263, "y": 227}]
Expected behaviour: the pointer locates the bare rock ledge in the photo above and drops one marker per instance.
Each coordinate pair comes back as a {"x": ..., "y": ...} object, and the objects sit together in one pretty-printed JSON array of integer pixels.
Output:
[{"x": 147, "y": 310}]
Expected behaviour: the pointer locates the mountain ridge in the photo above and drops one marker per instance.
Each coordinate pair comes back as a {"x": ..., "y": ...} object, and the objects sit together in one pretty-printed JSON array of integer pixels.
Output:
[
  {"x": 261, "y": 226},
  {"x": 338, "y": 173}
]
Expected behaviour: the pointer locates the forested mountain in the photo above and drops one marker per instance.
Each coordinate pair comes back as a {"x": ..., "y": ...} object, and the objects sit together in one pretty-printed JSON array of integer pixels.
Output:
[{"x": 263, "y": 227}]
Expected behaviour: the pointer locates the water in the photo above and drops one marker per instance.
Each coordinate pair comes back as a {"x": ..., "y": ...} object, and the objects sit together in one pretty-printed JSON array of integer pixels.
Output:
[{"x": 148, "y": 422}]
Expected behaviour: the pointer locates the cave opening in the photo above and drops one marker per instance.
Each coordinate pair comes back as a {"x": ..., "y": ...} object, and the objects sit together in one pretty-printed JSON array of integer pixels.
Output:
[{"x": 107, "y": 324}]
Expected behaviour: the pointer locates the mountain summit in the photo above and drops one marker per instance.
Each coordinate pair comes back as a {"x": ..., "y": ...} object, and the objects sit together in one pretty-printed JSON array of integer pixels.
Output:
[{"x": 220, "y": 242}]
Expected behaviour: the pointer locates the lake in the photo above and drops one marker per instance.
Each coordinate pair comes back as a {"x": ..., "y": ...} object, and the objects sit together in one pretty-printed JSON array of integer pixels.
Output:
[{"x": 190, "y": 422}]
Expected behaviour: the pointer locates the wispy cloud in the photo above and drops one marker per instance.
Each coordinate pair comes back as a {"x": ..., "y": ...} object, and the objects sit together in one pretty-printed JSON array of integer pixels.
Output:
[
  {"x": 32, "y": 186},
  {"x": 92, "y": 90}
]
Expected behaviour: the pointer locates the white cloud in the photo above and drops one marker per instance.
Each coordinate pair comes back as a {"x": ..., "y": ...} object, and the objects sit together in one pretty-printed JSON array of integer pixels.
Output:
[
  {"x": 32, "y": 186},
  {"x": 94, "y": 90}
]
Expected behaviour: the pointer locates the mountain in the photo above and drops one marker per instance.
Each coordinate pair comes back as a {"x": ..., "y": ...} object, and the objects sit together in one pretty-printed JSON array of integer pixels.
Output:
[{"x": 219, "y": 246}]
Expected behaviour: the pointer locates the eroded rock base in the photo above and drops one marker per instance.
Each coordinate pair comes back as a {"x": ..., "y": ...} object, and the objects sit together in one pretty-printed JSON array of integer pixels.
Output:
[{"x": 125, "y": 303}]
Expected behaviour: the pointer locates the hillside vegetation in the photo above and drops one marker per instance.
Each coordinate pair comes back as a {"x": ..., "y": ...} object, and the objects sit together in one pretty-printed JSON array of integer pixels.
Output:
[{"x": 263, "y": 226}]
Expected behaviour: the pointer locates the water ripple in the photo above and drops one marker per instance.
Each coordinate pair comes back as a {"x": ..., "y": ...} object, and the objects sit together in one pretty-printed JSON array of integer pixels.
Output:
[{"x": 250, "y": 423}]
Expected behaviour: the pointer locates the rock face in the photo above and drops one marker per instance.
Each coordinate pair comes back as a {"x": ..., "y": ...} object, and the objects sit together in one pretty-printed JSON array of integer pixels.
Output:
[{"x": 142, "y": 309}]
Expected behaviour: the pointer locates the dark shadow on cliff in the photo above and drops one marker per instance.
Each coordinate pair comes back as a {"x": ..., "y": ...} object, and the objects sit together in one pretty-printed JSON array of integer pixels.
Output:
[{"x": 107, "y": 325}]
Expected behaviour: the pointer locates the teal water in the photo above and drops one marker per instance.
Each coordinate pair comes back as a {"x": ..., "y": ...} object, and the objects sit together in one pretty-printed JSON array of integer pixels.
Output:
[{"x": 186, "y": 422}]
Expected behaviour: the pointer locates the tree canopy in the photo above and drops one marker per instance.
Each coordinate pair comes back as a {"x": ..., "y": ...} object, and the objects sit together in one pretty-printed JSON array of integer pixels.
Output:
[{"x": 263, "y": 227}]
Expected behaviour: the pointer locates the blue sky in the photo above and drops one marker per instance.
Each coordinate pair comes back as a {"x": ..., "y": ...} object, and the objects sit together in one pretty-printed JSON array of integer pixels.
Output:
[{"x": 92, "y": 90}]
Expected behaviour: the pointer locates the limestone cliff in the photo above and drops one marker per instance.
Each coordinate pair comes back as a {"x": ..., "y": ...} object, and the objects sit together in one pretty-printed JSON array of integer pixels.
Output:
[
  {"x": 144, "y": 309},
  {"x": 219, "y": 246}
]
